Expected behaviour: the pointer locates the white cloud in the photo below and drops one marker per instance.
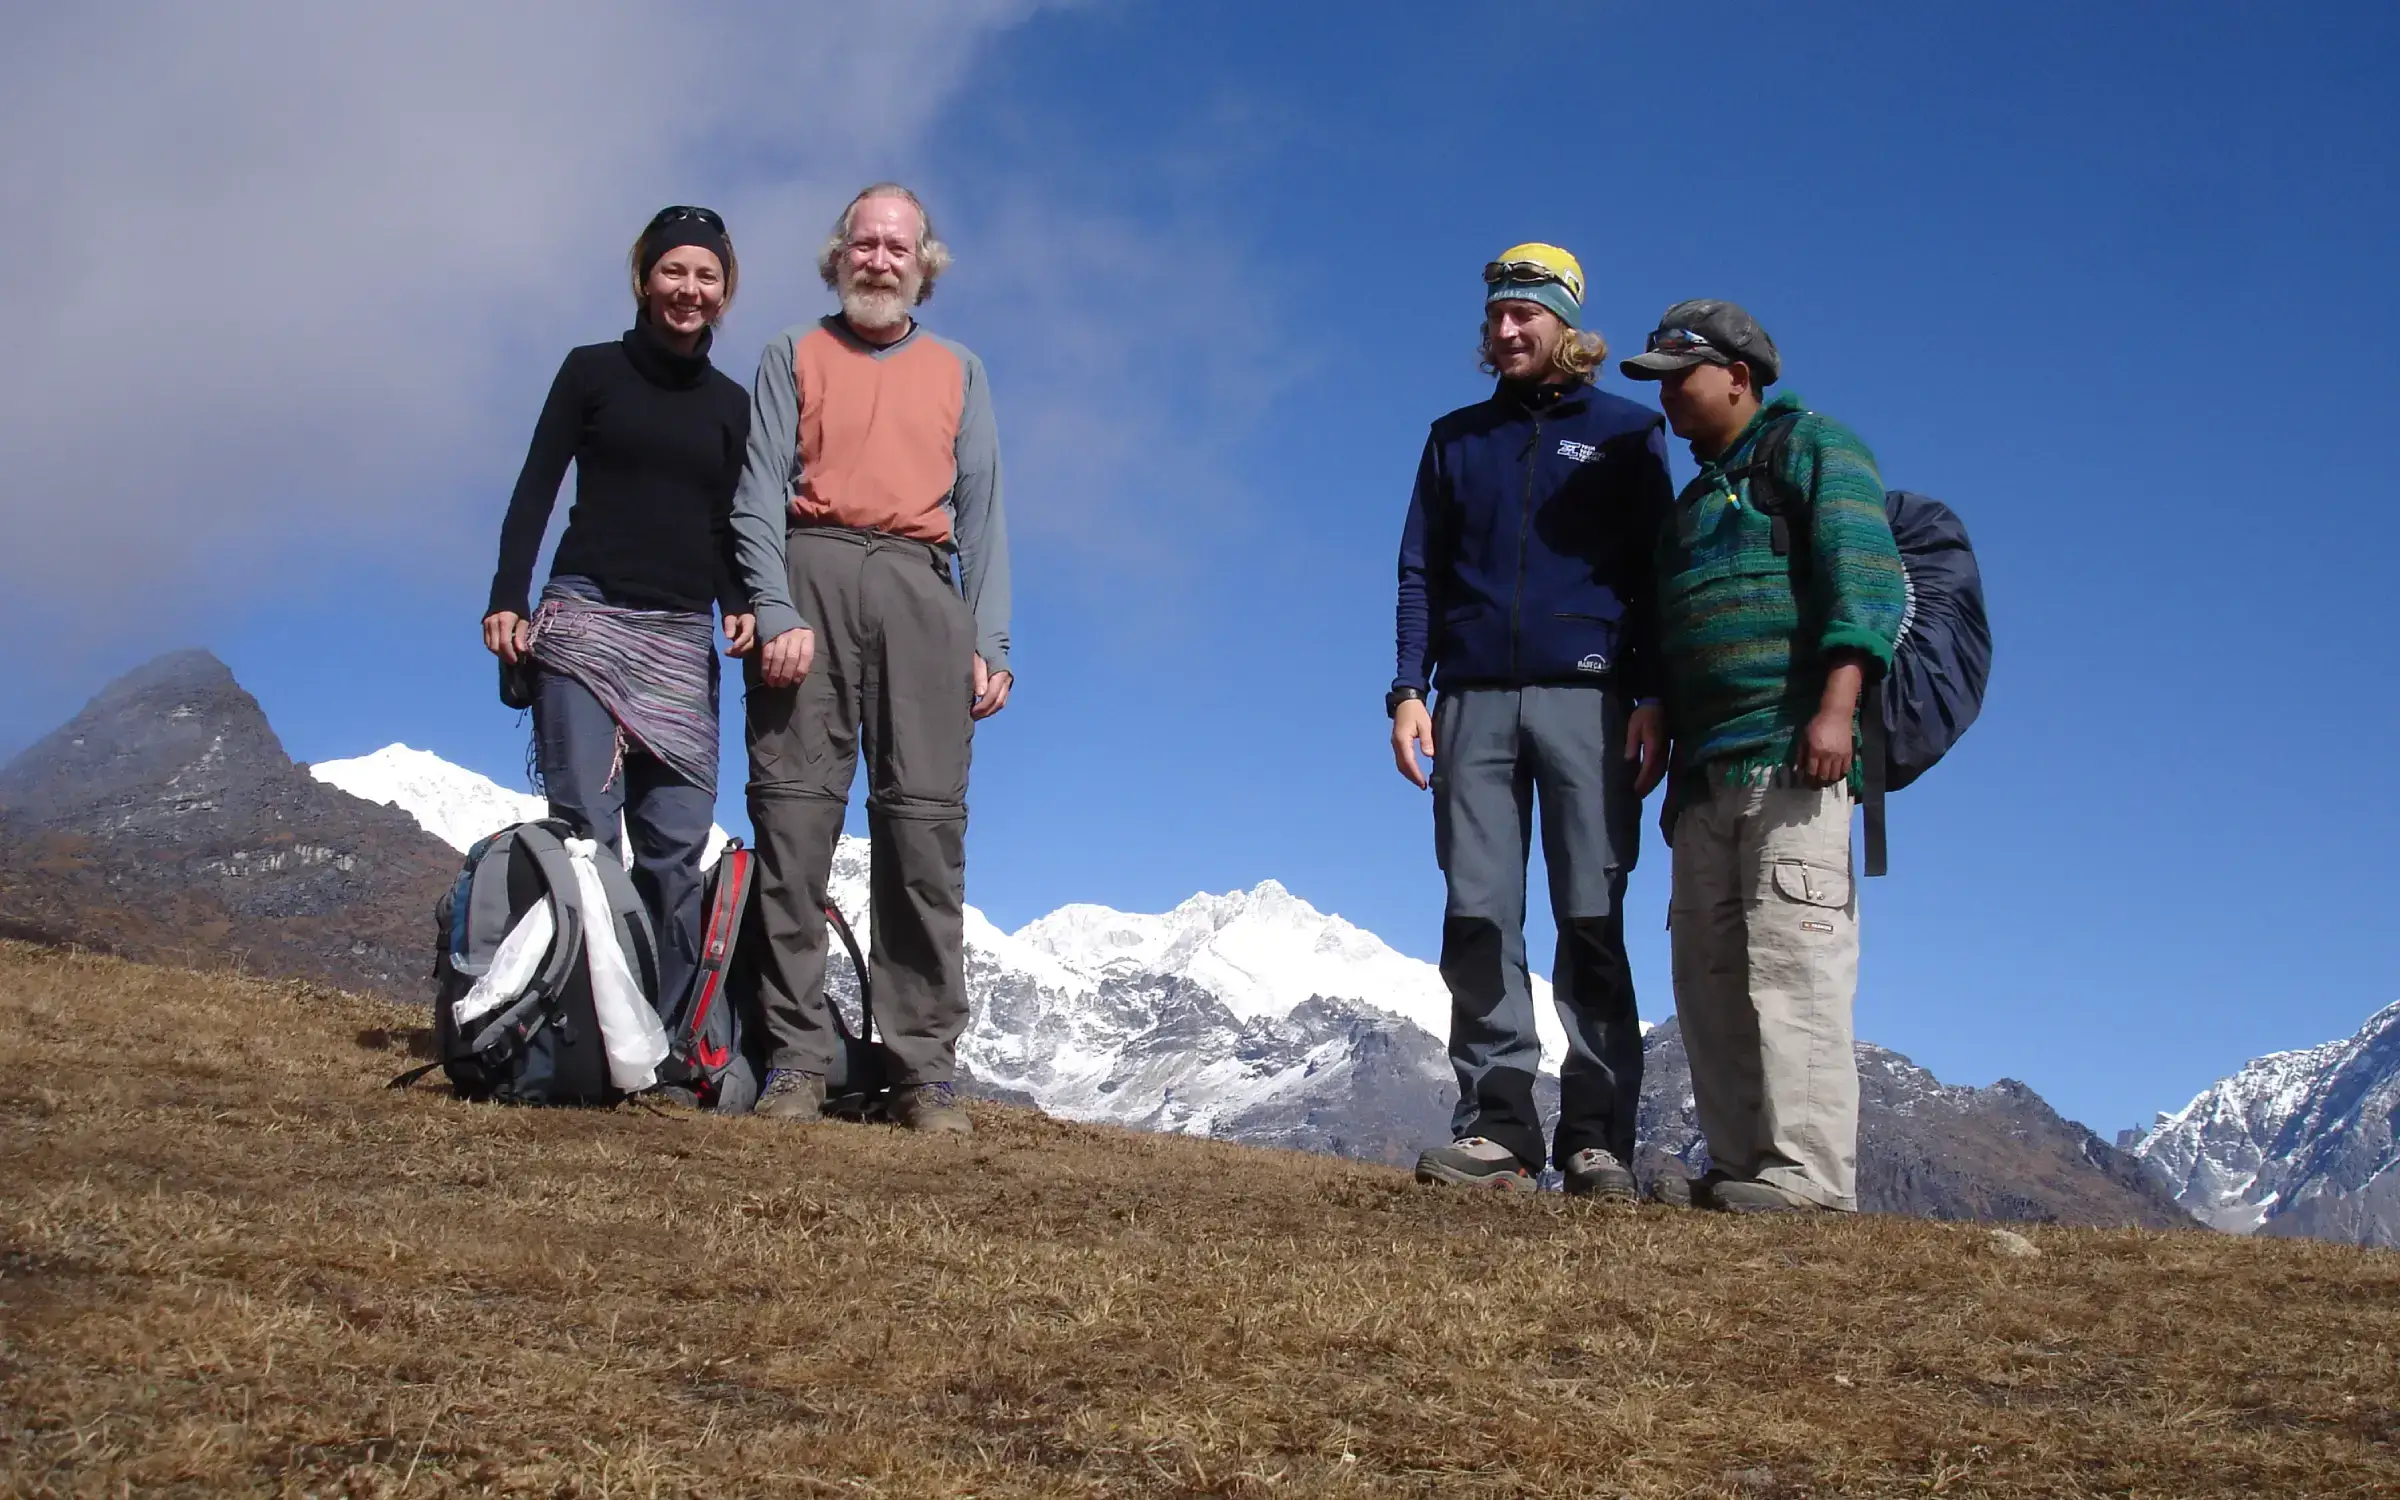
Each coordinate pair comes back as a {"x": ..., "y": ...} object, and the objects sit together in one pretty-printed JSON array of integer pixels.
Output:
[{"x": 288, "y": 278}]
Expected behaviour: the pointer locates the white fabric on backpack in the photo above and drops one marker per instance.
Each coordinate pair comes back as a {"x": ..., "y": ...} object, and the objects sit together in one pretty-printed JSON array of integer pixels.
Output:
[
  {"x": 629, "y": 1027},
  {"x": 514, "y": 964}
]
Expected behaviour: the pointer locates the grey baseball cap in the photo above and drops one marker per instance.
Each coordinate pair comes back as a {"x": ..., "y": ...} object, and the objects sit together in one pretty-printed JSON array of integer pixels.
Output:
[{"x": 1706, "y": 331}]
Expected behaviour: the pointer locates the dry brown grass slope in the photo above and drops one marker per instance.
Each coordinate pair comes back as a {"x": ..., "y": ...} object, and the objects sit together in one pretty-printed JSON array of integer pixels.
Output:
[{"x": 230, "y": 1263}]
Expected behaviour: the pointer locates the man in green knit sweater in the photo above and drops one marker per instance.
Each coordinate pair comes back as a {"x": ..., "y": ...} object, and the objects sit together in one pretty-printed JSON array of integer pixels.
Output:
[{"x": 1766, "y": 651}]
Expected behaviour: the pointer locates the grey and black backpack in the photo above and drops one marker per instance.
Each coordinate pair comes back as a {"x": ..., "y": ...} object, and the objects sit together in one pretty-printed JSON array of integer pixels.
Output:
[{"x": 544, "y": 1046}]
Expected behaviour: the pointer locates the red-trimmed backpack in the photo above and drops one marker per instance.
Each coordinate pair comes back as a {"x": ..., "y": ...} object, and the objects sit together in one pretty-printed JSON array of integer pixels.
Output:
[{"x": 712, "y": 1034}]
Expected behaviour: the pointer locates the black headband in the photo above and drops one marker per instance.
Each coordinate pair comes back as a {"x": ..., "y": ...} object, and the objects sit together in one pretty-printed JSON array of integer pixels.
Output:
[{"x": 689, "y": 228}]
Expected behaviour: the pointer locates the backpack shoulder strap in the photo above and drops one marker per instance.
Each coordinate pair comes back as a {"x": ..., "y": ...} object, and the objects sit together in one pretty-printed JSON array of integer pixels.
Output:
[
  {"x": 1769, "y": 493},
  {"x": 558, "y": 873},
  {"x": 1875, "y": 754},
  {"x": 858, "y": 962},
  {"x": 479, "y": 904},
  {"x": 721, "y": 925}
]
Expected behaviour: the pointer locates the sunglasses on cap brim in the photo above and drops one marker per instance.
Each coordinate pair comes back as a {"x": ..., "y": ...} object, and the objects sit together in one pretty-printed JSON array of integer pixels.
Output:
[
  {"x": 706, "y": 217},
  {"x": 1682, "y": 341},
  {"x": 1531, "y": 273}
]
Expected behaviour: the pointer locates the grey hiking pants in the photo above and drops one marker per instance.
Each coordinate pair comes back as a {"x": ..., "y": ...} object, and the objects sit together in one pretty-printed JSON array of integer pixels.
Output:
[
  {"x": 1495, "y": 748},
  {"x": 894, "y": 677},
  {"x": 667, "y": 817},
  {"x": 1765, "y": 919}
]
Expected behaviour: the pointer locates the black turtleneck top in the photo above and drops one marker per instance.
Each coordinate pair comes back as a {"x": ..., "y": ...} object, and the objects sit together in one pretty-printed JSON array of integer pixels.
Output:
[{"x": 657, "y": 440}]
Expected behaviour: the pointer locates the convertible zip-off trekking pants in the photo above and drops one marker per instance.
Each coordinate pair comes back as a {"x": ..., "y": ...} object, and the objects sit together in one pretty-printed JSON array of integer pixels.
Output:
[
  {"x": 894, "y": 677},
  {"x": 1765, "y": 919},
  {"x": 1495, "y": 748}
]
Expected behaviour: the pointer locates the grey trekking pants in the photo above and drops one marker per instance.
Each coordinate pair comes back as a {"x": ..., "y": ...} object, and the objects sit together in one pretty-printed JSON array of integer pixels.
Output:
[
  {"x": 1765, "y": 919},
  {"x": 894, "y": 677},
  {"x": 1495, "y": 747}
]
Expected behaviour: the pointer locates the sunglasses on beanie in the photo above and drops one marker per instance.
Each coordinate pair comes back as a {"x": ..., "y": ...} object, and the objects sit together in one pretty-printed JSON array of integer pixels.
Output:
[{"x": 1531, "y": 273}]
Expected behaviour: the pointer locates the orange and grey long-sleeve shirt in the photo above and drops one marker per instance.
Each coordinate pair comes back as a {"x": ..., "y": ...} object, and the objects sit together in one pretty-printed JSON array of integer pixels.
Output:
[{"x": 897, "y": 439}]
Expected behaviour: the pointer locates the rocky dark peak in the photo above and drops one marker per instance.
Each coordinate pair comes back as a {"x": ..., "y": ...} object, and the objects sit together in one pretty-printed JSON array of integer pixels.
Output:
[
  {"x": 170, "y": 748},
  {"x": 167, "y": 810}
]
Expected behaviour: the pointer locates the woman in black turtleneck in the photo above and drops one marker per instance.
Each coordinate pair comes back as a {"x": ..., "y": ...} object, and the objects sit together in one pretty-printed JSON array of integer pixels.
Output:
[{"x": 625, "y": 697}]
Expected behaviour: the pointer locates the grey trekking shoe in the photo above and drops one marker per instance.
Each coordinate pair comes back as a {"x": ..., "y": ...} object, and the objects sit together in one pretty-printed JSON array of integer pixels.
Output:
[
  {"x": 793, "y": 1095},
  {"x": 1475, "y": 1162},
  {"x": 932, "y": 1108},
  {"x": 1594, "y": 1173},
  {"x": 1738, "y": 1195},
  {"x": 1671, "y": 1189}
]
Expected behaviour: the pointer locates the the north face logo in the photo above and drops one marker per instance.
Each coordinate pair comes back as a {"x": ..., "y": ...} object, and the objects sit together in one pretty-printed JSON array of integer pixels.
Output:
[
  {"x": 1592, "y": 663},
  {"x": 1582, "y": 453}
]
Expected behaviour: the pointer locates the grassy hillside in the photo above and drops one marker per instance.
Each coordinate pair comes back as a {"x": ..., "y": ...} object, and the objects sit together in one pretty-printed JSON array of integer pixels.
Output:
[{"x": 229, "y": 1262}]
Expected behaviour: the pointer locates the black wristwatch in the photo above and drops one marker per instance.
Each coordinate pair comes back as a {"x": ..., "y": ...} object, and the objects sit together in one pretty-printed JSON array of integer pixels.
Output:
[{"x": 1397, "y": 696}]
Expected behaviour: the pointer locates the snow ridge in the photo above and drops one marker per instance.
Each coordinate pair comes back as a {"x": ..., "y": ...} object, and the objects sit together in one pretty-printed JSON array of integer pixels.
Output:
[
  {"x": 454, "y": 804},
  {"x": 2289, "y": 1129},
  {"x": 1263, "y": 952}
]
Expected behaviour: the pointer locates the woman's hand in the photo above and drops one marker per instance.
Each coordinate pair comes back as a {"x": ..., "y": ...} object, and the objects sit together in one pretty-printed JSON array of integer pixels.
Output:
[
  {"x": 741, "y": 634},
  {"x": 507, "y": 635}
]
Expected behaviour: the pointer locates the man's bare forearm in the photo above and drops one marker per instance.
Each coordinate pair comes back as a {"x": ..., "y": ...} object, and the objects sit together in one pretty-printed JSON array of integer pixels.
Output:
[{"x": 1844, "y": 680}]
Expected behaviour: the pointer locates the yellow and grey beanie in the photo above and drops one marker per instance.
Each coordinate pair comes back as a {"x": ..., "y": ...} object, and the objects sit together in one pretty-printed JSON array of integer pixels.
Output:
[{"x": 1535, "y": 272}]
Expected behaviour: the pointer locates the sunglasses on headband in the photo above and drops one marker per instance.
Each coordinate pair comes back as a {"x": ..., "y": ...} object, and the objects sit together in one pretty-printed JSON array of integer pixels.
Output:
[
  {"x": 1531, "y": 273},
  {"x": 706, "y": 217}
]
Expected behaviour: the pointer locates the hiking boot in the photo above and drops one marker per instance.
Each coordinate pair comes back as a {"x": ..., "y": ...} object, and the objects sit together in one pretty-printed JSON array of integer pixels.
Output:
[
  {"x": 1594, "y": 1173},
  {"x": 1671, "y": 1189},
  {"x": 932, "y": 1108},
  {"x": 672, "y": 1093},
  {"x": 1740, "y": 1195},
  {"x": 1475, "y": 1162},
  {"x": 793, "y": 1095}
]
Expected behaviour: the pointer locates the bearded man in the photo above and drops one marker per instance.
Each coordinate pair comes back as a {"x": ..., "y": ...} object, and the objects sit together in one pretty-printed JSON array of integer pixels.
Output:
[
  {"x": 1525, "y": 602},
  {"x": 869, "y": 534}
]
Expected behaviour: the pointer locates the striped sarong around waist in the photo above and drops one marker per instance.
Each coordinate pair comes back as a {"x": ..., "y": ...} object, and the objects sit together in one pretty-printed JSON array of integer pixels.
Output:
[{"x": 654, "y": 670}]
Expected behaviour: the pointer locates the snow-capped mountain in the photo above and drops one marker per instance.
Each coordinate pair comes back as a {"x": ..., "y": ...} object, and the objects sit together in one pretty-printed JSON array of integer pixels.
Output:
[
  {"x": 1263, "y": 952},
  {"x": 2295, "y": 1143},
  {"x": 450, "y": 802},
  {"x": 1181, "y": 1021},
  {"x": 454, "y": 804}
]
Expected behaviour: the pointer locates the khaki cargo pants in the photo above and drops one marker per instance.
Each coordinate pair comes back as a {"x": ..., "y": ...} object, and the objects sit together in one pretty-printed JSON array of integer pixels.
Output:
[
  {"x": 1765, "y": 936},
  {"x": 895, "y": 679}
]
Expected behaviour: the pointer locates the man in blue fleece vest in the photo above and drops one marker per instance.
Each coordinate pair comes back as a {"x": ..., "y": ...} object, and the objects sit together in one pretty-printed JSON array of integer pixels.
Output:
[{"x": 1525, "y": 605}]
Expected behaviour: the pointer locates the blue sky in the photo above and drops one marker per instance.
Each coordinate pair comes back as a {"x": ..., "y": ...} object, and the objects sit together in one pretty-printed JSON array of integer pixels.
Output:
[{"x": 2116, "y": 285}]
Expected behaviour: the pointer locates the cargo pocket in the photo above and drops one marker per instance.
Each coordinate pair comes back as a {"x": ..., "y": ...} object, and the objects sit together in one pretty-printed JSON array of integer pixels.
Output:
[
  {"x": 1823, "y": 892},
  {"x": 787, "y": 730},
  {"x": 766, "y": 726}
]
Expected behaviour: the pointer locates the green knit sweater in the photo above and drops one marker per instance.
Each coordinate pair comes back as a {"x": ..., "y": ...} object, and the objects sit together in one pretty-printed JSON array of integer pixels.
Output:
[{"x": 1745, "y": 633}]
